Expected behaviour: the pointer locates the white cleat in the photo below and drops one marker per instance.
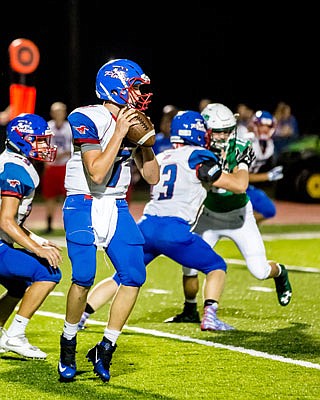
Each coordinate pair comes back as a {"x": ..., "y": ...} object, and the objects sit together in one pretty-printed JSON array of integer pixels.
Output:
[{"x": 20, "y": 345}]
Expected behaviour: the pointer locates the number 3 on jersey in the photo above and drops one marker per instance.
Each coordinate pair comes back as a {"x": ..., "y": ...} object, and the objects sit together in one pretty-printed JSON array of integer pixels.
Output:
[{"x": 168, "y": 184}]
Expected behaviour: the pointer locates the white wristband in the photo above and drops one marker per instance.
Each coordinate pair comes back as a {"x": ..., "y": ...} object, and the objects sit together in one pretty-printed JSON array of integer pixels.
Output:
[
  {"x": 41, "y": 241},
  {"x": 243, "y": 166}
]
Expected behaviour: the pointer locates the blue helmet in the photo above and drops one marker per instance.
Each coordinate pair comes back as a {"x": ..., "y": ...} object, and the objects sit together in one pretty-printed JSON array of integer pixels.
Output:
[
  {"x": 263, "y": 118},
  {"x": 264, "y": 124},
  {"x": 30, "y": 135},
  {"x": 188, "y": 127},
  {"x": 116, "y": 80}
]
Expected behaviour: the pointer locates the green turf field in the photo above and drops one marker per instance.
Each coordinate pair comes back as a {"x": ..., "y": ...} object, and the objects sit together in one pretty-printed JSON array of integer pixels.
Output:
[{"x": 274, "y": 353}]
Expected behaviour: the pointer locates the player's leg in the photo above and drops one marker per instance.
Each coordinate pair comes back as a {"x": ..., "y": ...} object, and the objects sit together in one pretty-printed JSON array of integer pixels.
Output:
[
  {"x": 42, "y": 280},
  {"x": 126, "y": 254},
  {"x": 82, "y": 254},
  {"x": 250, "y": 243},
  {"x": 98, "y": 296}
]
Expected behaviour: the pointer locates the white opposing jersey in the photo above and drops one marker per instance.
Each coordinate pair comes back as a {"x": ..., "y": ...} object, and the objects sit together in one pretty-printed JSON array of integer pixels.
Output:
[
  {"x": 179, "y": 192},
  {"x": 262, "y": 156},
  {"x": 94, "y": 125}
]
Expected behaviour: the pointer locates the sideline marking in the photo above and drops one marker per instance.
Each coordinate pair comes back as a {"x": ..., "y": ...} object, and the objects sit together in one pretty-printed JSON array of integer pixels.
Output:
[{"x": 154, "y": 332}]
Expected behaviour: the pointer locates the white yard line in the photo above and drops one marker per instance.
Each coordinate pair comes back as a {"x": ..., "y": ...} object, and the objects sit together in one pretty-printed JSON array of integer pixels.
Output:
[
  {"x": 153, "y": 332},
  {"x": 267, "y": 237}
]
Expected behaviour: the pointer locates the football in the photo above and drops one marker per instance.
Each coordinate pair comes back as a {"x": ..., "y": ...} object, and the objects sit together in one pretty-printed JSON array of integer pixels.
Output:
[{"x": 142, "y": 133}]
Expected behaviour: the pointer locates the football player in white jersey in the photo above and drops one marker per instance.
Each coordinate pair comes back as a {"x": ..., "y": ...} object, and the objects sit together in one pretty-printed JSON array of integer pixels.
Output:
[
  {"x": 32, "y": 265},
  {"x": 187, "y": 171},
  {"x": 264, "y": 168},
  {"x": 231, "y": 215},
  {"x": 95, "y": 211}
]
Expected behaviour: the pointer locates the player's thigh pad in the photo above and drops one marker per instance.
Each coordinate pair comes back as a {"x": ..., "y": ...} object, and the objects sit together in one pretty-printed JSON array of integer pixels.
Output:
[
  {"x": 125, "y": 249},
  {"x": 24, "y": 265},
  {"x": 77, "y": 220},
  {"x": 80, "y": 239}
]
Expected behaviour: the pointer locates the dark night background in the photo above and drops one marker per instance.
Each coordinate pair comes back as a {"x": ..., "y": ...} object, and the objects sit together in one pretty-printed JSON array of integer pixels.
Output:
[{"x": 230, "y": 54}]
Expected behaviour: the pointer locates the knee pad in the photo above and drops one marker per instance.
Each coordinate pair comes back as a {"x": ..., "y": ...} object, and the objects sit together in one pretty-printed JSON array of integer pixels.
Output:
[
  {"x": 83, "y": 260},
  {"x": 258, "y": 267},
  {"x": 135, "y": 278}
]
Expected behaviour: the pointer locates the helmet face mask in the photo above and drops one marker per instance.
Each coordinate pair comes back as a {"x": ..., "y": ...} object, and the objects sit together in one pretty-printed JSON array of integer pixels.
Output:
[
  {"x": 219, "y": 139},
  {"x": 188, "y": 127},
  {"x": 119, "y": 81},
  {"x": 30, "y": 135}
]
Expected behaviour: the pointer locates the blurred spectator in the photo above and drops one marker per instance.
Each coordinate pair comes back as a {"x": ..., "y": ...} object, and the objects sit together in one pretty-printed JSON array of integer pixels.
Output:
[
  {"x": 287, "y": 129},
  {"x": 203, "y": 103},
  {"x": 163, "y": 136},
  {"x": 5, "y": 116},
  {"x": 4, "y": 119},
  {"x": 245, "y": 115},
  {"x": 52, "y": 188}
]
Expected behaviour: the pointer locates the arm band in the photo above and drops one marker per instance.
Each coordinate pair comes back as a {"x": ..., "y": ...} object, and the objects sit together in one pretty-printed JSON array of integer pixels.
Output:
[
  {"x": 209, "y": 171},
  {"x": 243, "y": 166},
  {"x": 41, "y": 241}
]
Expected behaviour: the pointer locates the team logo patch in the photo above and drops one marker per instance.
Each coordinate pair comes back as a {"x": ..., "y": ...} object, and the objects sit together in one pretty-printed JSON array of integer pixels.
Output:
[
  {"x": 118, "y": 73},
  {"x": 13, "y": 182},
  {"x": 81, "y": 129}
]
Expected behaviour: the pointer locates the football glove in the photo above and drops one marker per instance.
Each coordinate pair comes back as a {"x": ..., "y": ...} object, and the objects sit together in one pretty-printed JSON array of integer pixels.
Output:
[
  {"x": 275, "y": 173},
  {"x": 247, "y": 156}
]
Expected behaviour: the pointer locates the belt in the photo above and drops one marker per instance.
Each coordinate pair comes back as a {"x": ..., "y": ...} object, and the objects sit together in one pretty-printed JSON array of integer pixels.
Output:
[{"x": 89, "y": 197}]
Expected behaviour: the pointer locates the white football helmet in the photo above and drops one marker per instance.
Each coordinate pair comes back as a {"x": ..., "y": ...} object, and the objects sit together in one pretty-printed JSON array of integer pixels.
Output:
[{"x": 221, "y": 124}]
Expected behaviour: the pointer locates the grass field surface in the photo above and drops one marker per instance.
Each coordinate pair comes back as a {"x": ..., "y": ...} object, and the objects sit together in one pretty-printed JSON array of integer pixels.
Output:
[{"x": 274, "y": 353}]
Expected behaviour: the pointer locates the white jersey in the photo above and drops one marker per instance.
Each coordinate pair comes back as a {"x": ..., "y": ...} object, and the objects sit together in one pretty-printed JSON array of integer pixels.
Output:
[
  {"x": 62, "y": 139},
  {"x": 94, "y": 126},
  {"x": 179, "y": 192},
  {"x": 262, "y": 157},
  {"x": 18, "y": 178}
]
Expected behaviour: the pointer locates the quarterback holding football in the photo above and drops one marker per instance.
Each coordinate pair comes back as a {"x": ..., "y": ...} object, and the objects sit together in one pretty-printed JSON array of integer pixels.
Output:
[{"x": 96, "y": 212}]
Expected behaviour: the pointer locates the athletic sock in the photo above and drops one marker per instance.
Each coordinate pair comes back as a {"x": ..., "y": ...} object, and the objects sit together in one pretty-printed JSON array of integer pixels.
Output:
[{"x": 18, "y": 326}]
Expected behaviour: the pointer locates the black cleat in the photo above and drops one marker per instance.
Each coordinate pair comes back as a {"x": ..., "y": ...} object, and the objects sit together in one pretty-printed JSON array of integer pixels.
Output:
[
  {"x": 189, "y": 314},
  {"x": 283, "y": 287}
]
